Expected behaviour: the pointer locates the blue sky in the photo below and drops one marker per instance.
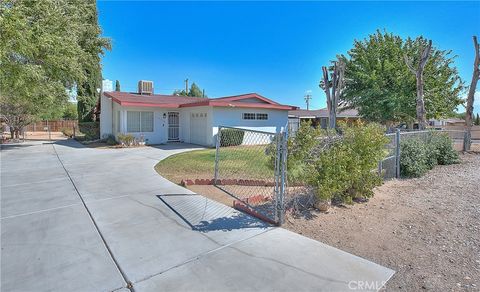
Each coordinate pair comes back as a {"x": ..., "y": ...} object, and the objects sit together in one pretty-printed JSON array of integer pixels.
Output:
[{"x": 273, "y": 48}]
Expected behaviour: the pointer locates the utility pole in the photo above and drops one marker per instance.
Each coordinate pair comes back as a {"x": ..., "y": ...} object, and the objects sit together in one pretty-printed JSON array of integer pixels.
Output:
[
  {"x": 308, "y": 97},
  {"x": 186, "y": 86}
]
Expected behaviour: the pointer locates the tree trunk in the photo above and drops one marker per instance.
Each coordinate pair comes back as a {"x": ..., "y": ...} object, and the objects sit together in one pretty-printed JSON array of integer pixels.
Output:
[
  {"x": 421, "y": 114},
  {"x": 420, "y": 107},
  {"x": 467, "y": 141}
]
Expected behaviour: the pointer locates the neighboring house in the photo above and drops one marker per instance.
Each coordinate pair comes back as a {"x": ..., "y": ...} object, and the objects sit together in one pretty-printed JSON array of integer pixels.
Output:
[
  {"x": 168, "y": 118},
  {"x": 450, "y": 122},
  {"x": 319, "y": 117}
]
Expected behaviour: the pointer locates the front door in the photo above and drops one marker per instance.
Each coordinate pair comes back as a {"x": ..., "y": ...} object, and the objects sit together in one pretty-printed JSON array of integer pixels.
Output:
[{"x": 173, "y": 126}]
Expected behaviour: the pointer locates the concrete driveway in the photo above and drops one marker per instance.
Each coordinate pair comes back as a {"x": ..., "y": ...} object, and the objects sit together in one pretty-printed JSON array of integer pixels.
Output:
[{"x": 82, "y": 219}]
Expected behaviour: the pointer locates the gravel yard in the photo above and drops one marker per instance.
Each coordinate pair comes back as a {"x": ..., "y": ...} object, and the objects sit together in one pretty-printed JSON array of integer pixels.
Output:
[{"x": 427, "y": 229}]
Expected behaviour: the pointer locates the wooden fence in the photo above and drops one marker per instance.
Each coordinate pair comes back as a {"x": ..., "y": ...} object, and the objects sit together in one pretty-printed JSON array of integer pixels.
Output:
[{"x": 55, "y": 126}]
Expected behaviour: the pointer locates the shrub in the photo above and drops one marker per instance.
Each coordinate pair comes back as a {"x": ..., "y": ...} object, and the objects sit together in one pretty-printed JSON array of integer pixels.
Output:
[
  {"x": 67, "y": 132},
  {"x": 231, "y": 137},
  {"x": 126, "y": 139},
  {"x": 337, "y": 167},
  {"x": 413, "y": 158},
  {"x": 91, "y": 130},
  {"x": 418, "y": 156},
  {"x": 446, "y": 152},
  {"x": 346, "y": 168},
  {"x": 109, "y": 139}
]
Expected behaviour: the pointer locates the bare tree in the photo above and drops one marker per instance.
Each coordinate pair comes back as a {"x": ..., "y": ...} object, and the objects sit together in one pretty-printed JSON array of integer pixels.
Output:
[
  {"x": 333, "y": 89},
  {"x": 418, "y": 72},
  {"x": 467, "y": 142},
  {"x": 16, "y": 116}
]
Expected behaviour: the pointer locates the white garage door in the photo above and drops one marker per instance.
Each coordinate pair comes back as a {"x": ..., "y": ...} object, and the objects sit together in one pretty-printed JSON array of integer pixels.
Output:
[{"x": 198, "y": 128}]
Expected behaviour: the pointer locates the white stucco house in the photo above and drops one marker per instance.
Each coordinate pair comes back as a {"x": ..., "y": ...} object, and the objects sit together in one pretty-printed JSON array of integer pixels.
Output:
[{"x": 167, "y": 118}]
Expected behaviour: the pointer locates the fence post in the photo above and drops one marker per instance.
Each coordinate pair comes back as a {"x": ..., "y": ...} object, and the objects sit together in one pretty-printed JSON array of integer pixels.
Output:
[
  {"x": 283, "y": 176},
  {"x": 397, "y": 153},
  {"x": 217, "y": 148}
]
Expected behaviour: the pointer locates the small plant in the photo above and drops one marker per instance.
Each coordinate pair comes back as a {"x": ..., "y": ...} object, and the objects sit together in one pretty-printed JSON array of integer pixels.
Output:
[
  {"x": 231, "y": 137},
  {"x": 109, "y": 139},
  {"x": 126, "y": 140},
  {"x": 67, "y": 132}
]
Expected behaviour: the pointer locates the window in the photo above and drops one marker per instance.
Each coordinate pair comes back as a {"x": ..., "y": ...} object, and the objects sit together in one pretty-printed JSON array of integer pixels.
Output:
[
  {"x": 255, "y": 116},
  {"x": 248, "y": 116},
  {"x": 139, "y": 121},
  {"x": 146, "y": 124},
  {"x": 262, "y": 116}
]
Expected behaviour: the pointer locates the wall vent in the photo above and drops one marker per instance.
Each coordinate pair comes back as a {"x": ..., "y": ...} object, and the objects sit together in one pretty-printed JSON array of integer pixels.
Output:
[{"x": 145, "y": 87}]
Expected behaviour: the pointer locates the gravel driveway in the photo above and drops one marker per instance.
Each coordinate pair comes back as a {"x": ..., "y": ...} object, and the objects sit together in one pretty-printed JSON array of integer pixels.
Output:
[{"x": 427, "y": 229}]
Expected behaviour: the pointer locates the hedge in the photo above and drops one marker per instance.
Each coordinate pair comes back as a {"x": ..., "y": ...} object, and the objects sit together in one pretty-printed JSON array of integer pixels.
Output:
[
  {"x": 91, "y": 130},
  {"x": 231, "y": 137}
]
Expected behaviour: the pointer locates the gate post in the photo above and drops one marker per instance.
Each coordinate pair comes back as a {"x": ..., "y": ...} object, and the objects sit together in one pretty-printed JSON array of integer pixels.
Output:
[
  {"x": 397, "y": 153},
  {"x": 282, "y": 178},
  {"x": 217, "y": 148}
]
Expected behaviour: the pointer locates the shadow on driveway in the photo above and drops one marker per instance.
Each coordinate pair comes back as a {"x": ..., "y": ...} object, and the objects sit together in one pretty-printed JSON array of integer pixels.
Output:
[{"x": 205, "y": 215}]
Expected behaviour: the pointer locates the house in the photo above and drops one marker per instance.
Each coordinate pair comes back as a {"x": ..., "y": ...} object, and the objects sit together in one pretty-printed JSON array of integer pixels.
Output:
[
  {"x": 449, "y": 122},
  {"x": 168, "y": 118},
  {"x": 319, "y": 117}
]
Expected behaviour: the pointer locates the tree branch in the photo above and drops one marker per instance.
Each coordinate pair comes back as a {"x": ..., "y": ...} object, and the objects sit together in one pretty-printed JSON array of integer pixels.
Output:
[{"x": 409, "y": 65}]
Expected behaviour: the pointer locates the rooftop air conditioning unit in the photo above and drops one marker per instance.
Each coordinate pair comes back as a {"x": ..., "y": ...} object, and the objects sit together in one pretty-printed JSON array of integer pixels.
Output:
[{"x": 145, "y": 87}]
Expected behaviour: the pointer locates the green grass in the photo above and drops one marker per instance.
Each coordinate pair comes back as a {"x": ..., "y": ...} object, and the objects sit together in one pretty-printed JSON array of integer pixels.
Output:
[{"x": 240, "y": 162}]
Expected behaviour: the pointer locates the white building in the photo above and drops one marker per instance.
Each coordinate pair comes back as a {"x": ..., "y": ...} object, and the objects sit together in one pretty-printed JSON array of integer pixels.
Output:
[
  {"x": 166, "y": 118},
  {"x": 107, "y": 85}
]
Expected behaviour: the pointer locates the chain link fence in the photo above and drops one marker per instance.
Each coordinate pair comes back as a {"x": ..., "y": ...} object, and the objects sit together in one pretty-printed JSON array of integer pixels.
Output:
[
  {"x": 251, "y": 166},
  {"x": 248, "y": 167}
]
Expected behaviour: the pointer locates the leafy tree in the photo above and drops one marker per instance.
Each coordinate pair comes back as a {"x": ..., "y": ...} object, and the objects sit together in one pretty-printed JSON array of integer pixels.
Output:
[
  {"x": 93, "y": 46},
  {"x": 180, "y": 92},
  {"x": 43, "y": 51},
  {"x": 70, "y": 111},
  {"x": 117, "y": 85},
  {"x": 477, "y": 120},
  {"x": 380, "y": 85},
  {"x": 194, "y": 91}
]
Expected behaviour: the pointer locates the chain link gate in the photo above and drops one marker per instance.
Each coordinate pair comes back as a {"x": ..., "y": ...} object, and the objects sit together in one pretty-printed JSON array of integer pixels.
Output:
[{"x": 250, "y": 167}]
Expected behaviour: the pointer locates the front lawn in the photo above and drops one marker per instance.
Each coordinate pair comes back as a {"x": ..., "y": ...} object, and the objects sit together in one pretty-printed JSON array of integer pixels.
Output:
[{"x": 240, "y": 162}]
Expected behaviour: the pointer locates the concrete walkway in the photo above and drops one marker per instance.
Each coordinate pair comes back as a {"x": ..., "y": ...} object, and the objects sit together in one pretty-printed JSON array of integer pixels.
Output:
[{"x": 82, "y": 219}]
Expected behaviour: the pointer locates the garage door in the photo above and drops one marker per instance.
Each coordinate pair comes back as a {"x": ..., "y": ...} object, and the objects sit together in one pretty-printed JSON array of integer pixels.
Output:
[{"x": 198, "y": 128}]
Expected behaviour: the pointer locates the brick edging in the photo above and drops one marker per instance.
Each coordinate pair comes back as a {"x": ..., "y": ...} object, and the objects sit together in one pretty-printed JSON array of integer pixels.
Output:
[{"x": 225, "y": 182}]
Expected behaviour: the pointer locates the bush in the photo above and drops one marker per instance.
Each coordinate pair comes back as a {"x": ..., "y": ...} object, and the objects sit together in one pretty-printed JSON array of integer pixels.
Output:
[
  {"x": 414, "y": 158},
  {"x": 337, "y": 167},
  {"x": 126, "y": 139},
  {"x": 347, "y": 168},
  {"x": 231, "y": 137},
  {"x": 446, "y": 152},
  {"x": 67, "y": 132},
  {"x": 418, "y": 156},
  {"x": 109, "y": 139},
  {"x": 91, "y": 130}
]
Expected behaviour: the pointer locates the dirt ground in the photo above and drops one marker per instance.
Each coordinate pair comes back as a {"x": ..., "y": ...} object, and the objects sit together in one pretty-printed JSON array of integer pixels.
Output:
[{"x": 426, "y": 229}]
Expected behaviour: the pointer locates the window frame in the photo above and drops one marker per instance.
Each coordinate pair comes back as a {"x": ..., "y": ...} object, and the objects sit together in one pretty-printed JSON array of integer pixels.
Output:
[
  {"x": 261, "y": 114},
  {"x": 140, "y": 125},
  {"x": 253, "y": 115}
]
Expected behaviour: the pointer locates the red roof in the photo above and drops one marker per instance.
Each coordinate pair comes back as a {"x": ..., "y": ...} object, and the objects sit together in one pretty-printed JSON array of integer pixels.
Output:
[{"x": 251, "y": 100}]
